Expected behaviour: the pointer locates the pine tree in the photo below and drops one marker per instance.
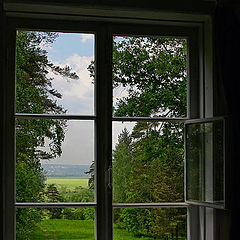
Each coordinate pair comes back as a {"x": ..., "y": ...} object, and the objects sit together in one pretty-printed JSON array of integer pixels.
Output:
[{"x": 34, "y": 94}]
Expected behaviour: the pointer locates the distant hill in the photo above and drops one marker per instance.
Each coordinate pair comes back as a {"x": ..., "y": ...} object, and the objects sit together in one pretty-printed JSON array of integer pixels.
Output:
[{"x": 66, "y": 170}]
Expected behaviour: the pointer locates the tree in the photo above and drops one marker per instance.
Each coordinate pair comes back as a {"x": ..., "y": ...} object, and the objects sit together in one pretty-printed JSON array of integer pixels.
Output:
[
  {"x": 155, "y": 175},
  {"x": 78, "y": 194},
  {"x": 34, "y": 94},
  {"x": 91, "y": 172},
  {"x": 153, "y": 73},
  {"x": 53, "y": 195},
  {"x": 153, "y": 69},
  {"x": 122, "y": 166}
]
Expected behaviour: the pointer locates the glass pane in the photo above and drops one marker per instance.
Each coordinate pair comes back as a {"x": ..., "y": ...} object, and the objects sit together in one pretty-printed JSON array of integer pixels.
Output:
[
  {"x": 205, "y": 162},
  {"x": 54, "y": 160},
  {"x": 52, "y": 74},
  {"x": 149, "y": 223},
  {"x": 148, "y": 162},
  {"x": 149, "y": 76},
  {"x": 55, "y": 223}
]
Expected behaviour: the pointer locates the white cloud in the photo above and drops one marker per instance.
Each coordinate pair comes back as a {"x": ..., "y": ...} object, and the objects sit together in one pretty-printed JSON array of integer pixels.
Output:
[
  {"x": 86, "y": 37},
  {"x": 81, "y": 89}
]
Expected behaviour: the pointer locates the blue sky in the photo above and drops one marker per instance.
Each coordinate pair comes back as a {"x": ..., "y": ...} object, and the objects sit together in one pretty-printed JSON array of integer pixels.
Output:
[{"x": 68, "y": 44}]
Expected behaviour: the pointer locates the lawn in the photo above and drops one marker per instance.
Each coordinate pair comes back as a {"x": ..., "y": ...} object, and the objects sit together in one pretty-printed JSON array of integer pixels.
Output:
[
  {"x": 56, "y": 229},
  {"x": 69, "y": 183}
]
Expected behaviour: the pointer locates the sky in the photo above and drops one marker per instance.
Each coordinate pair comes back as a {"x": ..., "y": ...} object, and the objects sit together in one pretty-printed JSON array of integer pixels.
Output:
[{"x": 77, "y": 51}]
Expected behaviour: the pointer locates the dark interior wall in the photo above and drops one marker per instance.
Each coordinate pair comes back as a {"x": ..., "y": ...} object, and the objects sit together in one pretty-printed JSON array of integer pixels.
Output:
[
  {"x": 227, "y": 77},
  {"x": 196, "y": 6},
  {"x": 227, "y": 52},
  {"x": 2, "y": 28}
]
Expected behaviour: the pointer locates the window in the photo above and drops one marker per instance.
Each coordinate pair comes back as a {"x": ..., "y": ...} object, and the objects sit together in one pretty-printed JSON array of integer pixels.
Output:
[
  {"x": 104, "y": 205},
  {"x": 205, "y": 166}
]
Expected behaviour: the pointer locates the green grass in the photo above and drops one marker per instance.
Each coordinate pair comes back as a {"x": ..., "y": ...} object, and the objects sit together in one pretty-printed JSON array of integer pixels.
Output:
[
  {"x": 69, "y": 183},
  {"x": 121, "y": 234},
  {"x": 65, "y": 229},
  {"x": 56, "y": 229}
]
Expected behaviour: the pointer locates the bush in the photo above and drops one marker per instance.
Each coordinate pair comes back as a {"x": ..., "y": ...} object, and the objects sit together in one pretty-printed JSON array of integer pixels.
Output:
[
  {"x": 135, "y": 220},
  {"x": 79, "y": 194},
  {"x": 26, "y": 219},
  {"x": 78, "y": 213},
  {"x": 62, "y": 194}
]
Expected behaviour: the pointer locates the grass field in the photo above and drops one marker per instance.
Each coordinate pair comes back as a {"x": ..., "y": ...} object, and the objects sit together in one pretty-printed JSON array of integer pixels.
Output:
[
  {"x": 57, "y": 229},
  {"x": 69, "y": 183}
]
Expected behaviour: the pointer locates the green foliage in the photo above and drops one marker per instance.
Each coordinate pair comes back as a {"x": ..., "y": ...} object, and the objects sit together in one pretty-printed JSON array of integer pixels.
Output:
[
  {"x": 153, "y": 70},
  {"x": 78, "y": 213},
  {"x": 53, "y": 195},
  {"x": 58, "y": 193},
  {"x": 26, "y": 220},
  {"x": 148, "y": 164},
  {"x": 150, "y": 171},
  {"x": 33, "y": 86},
  {"x": 122, "y": 167},
  {"x": 169, "y": 223},
  {"x": 78, "y": 194},
  {"x": 29, "y": 182},
  {"x": 135, "y": 220},
  {"x": 91, "y": 172},
  {"x": 34, "y": 94}
]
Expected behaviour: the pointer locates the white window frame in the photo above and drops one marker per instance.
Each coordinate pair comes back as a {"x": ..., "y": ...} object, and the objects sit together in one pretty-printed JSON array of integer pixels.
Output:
[{"x": 197, "y": 96}]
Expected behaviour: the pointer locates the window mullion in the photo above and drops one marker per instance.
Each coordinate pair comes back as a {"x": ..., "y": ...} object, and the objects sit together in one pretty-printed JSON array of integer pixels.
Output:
[{"x": 103, "y": 84}]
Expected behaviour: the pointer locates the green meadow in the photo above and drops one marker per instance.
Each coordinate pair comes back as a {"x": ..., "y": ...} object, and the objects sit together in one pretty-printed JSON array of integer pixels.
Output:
[
  {"x": 69, "y": 183},
  {"x": 74, "y": 224},
  {"x": 54, "y": 229}
]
